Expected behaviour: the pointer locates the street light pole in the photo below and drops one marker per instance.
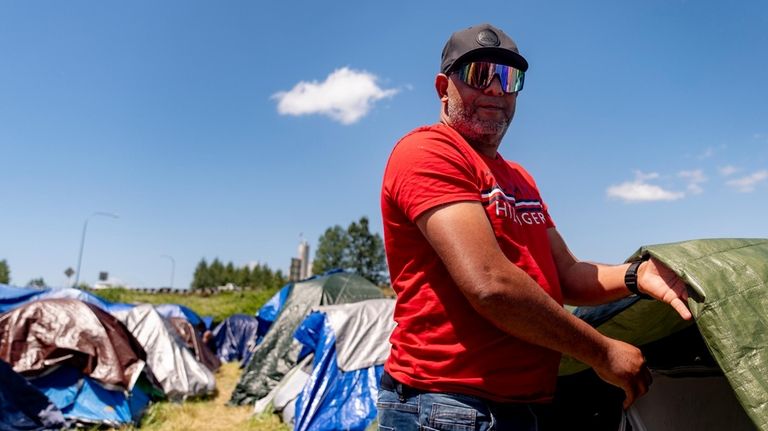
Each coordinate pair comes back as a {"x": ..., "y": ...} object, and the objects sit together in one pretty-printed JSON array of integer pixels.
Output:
[
  {"x": 82, "y": 241},
  {"x": 173, "y": 266}
]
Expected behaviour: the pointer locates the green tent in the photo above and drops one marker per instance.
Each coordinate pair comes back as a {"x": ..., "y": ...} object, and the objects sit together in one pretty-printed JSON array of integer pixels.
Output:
[
  {"x": 728, "y": 297},
  {"x": 278, "y": 352}
]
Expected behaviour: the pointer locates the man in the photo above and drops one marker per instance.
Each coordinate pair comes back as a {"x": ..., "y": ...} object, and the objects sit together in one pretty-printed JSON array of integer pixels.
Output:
[{"x": 481, "y": 272}]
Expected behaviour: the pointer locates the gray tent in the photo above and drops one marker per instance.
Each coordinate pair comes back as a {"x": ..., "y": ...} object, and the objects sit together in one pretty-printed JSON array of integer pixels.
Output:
[
  {"x": 174, "y": 366},
  {"x": 709, "y": 374},
  {"x": 278, "y": 352}
]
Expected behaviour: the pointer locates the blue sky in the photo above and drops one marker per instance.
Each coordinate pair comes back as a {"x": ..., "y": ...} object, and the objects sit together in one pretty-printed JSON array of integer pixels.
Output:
[{"x": 229, "y": 129}]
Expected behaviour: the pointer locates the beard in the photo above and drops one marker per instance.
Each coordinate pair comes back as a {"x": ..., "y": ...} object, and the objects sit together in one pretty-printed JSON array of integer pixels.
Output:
[{"x": 475, "y": 129}]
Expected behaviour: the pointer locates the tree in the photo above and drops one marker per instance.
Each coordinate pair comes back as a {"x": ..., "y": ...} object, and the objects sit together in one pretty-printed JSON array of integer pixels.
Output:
[
  {"x": 5, "y": 272},
  {"x": 36, "y": 282},
  {"x": 331, "y": 250},
  {"x": 219, "y": 274},
  {"x": 366, "y": 252},
  {"x": 355, "y": 249},
  {"x": 200, "y": 278}
]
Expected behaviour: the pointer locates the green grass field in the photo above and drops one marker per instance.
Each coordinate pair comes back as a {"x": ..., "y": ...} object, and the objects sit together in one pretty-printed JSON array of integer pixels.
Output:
[{"x": 220, "y": 305}]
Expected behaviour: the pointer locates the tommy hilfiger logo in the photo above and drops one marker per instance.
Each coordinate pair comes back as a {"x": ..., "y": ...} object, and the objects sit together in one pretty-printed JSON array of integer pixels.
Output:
[{"x": 504, "y": 205}]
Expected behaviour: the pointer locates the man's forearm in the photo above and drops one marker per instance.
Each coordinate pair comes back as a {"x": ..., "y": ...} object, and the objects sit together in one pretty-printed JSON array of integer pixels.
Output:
[
  {"x": 516, "y": 304},
  {"x": 587, "y": 283}
]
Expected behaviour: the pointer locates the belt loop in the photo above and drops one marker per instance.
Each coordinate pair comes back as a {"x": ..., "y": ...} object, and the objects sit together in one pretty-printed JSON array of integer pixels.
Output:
[{"x": 400, "y": 391}]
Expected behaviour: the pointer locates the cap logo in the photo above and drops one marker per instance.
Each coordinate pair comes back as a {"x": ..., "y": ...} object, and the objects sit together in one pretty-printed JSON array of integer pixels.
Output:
[{"x": 488, "y": 38}]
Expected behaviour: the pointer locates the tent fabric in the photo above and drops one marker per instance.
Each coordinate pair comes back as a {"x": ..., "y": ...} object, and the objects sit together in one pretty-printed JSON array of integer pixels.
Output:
[
  {"x": 698, "y": 403},
  {"x": 268, "y": 312},
  {"x": 362, "y": 331},
  {"x": 728, "y": 297},
  {"x": 194, "y": 342},
  {"x": 41, "y": 334},
  {"x": 24, "y": 407},
  {"x": 235, "y": 336},
  {"x": 83, "y": 400},
  {"x": 357, "y": 335},
  {"x": 175, "y": 367},
  {"x": 282, "y": 399},
  {"x": 278, "y": 353},
  {"x": 177, "y": 310},
  {"x": 12, "y": 297},
  {"x": 729, "y": 279}
]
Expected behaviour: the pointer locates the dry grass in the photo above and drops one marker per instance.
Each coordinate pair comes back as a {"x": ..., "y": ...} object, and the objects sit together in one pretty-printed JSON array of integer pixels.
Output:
[{"x": 210, "y": 415}]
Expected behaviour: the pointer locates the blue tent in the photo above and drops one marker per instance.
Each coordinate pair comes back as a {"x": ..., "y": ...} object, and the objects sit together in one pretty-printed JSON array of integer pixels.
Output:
[
  {"x": 350, "y": 343},
  {"x": 178, "y": 310},
  {"x": 12, "y": 297},
  {"x": 83, "y": 400},
  {"x": 234, "y": 336},
  {"x": 22, "y": 406},
  {"x": 268, "y": 312}
]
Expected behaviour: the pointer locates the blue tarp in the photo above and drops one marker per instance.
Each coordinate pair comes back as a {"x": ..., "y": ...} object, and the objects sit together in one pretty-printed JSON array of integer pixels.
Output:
[
  {"x": 178, "y": 310},
  {"x": 268, "y": 312},
  {"x": 333, "y": 399},
  {"x": 12, "y": 297},
  {"x": 82, "y": 399},
  {"x": 234, "y": 336},
  {"x": 24, "y": 407}
]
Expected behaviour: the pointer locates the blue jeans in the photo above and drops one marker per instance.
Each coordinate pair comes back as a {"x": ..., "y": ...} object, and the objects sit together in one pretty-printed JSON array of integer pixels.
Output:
[{"x": 417, "y": 410}]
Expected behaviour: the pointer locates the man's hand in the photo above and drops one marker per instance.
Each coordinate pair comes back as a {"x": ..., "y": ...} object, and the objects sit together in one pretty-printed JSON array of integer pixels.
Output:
[
  {"x": 624, "y": 367},
  {"x": 663, "y": 284}
]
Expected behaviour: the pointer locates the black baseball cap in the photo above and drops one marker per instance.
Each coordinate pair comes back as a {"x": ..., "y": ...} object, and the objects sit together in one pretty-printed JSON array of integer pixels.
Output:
[{"x": 482, "y": 41}]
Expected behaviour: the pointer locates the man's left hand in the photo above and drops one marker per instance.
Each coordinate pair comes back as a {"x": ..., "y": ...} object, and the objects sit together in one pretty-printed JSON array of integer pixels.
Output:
[{"x": 663, "y": 284}]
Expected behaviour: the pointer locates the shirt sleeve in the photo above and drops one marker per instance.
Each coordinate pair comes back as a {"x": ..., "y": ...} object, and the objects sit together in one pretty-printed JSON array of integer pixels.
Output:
[{"x": 426, "y": 170}]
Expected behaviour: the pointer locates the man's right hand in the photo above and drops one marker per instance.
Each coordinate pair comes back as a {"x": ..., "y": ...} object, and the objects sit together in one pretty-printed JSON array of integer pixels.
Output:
[{"x": 624, "y": 367}]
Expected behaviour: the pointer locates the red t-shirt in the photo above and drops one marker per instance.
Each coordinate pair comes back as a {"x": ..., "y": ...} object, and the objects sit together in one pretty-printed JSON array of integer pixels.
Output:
[{"x": 441, "y": 343}]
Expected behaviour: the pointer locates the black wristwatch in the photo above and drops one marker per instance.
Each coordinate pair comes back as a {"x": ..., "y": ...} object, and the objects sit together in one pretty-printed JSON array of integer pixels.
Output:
[{"x": 630, "y": 278}]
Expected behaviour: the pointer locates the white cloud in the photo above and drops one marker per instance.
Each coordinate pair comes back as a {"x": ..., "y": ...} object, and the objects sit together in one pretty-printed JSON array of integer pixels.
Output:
[
  {"x": 747, "y": 184},
  {"x": 694, "y": 179},
  {"x": 346, "y": 96},
  {"x": 728, "y": 170},
  {"x": 638, "y": 191}
]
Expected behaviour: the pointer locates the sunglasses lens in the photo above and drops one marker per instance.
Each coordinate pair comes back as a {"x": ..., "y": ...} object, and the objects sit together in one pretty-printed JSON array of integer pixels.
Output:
[{"x": 480, "y": 75}]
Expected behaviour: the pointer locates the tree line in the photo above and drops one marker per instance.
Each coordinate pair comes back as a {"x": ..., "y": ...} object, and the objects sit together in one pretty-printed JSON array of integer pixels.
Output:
[
  {"x": 353, "y": 249},
  {"x": 219, "y": 274}
]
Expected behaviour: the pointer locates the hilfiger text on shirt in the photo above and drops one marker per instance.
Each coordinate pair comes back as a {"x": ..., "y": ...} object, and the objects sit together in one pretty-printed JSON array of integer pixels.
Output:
[{"x": 505, "y": 205}]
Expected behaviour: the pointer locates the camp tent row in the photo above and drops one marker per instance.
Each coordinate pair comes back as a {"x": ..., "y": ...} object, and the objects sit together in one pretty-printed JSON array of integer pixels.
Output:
[
  {"x": 710, "y": 373},
  {"x": 319, "y": 362},
  {"x": 97, "y": 362}
]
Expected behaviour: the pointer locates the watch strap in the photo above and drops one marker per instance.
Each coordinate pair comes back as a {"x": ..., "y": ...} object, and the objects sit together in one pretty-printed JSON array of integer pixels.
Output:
[{"x": 630, "y": 278}]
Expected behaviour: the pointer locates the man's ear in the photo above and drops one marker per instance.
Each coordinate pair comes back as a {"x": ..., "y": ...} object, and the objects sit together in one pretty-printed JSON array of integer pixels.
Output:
[{"x": 441, "y": 86}]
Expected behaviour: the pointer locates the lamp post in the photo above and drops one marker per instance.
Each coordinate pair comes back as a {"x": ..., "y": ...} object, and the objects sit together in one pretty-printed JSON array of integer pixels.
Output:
[
  {"x": 82, "y": 241},
  {"x": 173, "y": 266}
]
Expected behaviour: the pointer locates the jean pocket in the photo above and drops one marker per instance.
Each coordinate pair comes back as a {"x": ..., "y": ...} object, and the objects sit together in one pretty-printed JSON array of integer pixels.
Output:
[{"x": 452, "y": 418}]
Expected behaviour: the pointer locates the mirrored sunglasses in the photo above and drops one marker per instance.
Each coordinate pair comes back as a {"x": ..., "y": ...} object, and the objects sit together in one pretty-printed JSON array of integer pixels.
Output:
[{"x": 479, "y": 74}]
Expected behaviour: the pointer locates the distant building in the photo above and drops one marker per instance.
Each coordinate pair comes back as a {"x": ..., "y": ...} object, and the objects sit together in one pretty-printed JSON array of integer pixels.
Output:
[
  {"x": 300, "y": 268},
  {"x": 294, "y": 273},
  {"x": 304, "y": 258}
]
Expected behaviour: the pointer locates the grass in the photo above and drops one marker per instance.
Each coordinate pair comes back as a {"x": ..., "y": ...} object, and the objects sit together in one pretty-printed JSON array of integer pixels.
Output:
[
  {"x": 220, "y": 305},
  {"x": 211, "y": 414}
]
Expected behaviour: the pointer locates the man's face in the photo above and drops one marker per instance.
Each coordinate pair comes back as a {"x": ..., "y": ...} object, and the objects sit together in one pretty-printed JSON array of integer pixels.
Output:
[{"x": 479, "y": 115}]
